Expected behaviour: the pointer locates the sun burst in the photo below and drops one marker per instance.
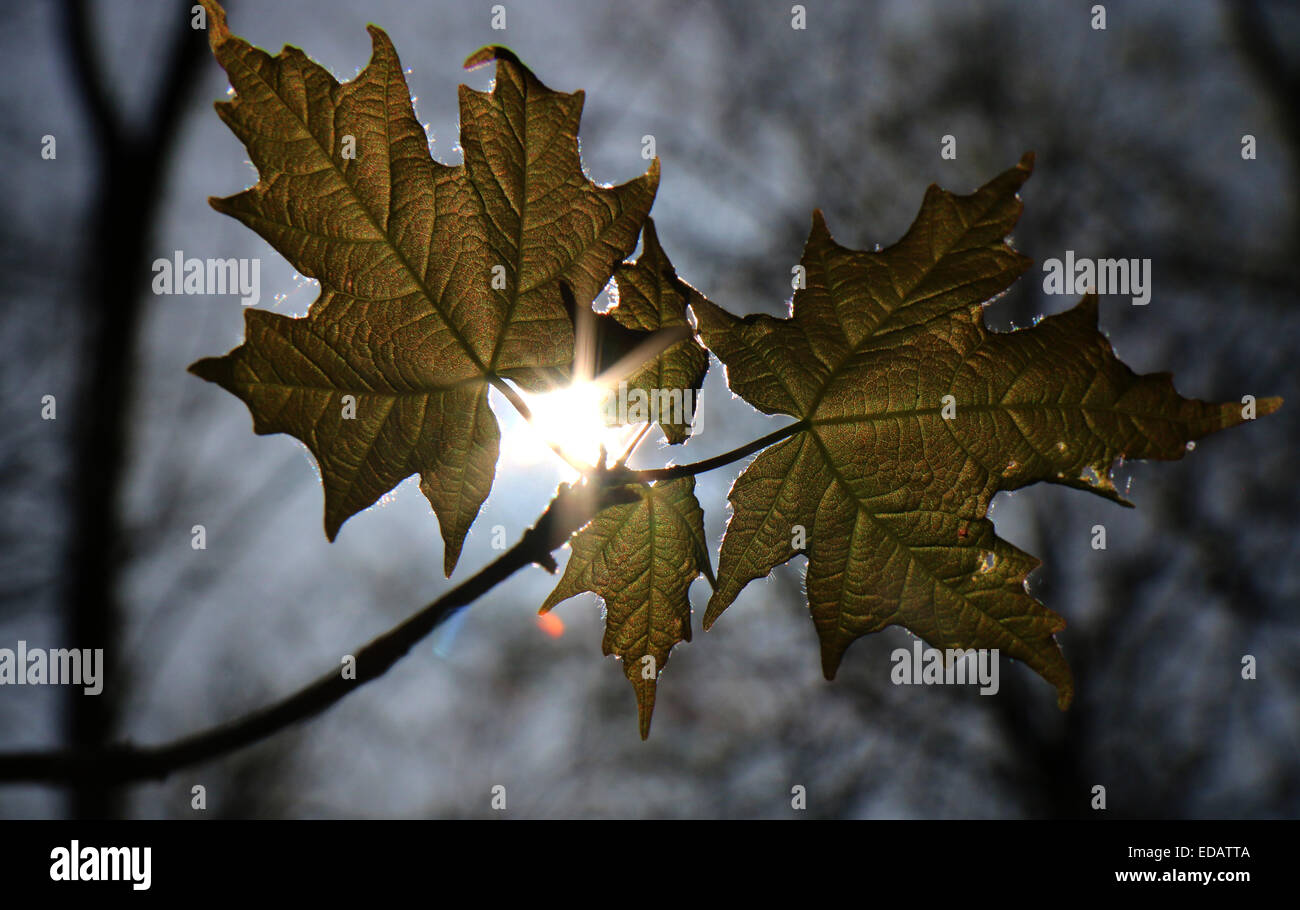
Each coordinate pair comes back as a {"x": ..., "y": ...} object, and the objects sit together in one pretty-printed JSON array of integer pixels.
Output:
[{"x": 575, "y": 419}]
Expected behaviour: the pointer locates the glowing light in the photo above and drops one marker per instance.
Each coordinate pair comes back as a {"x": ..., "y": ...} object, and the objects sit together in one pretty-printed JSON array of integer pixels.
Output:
[
  {"x": 574, "y": 418},
  {"x": 551, "y": 624}
]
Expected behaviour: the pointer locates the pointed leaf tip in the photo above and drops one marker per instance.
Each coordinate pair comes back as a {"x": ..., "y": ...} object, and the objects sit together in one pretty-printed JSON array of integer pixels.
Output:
[
  {"x": 379, "y": 39},
  {"x": 1268, "y": 405},
  {"x": 831, "y": 657},
  {"x": 490, "y": 52},
  {"x": 201, "y": 368},
  {"x": 218, "y": 31}
]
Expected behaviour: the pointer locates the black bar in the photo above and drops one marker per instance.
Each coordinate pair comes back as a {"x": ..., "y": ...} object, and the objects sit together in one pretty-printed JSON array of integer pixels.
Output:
[{"x": 439, "y": 859}]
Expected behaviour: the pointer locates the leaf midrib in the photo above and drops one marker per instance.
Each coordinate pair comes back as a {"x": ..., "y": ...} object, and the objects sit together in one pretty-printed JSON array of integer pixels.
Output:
[
  {"x": 852, "y": 349},
  {"x": 885, "y": 531},
  {"x": 419, "y": 281},
  {"x": 997, "y": 407}
]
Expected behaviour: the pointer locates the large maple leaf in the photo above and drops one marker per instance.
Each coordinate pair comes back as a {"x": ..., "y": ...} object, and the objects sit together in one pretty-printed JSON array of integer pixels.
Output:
[
  {"x": 436, "y": 280},
  {"x": 888, "y": 477}
]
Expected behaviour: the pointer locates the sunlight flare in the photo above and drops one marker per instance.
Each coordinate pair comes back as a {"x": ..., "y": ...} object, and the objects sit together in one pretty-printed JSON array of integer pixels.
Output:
[{"x": 574, "y": 418}]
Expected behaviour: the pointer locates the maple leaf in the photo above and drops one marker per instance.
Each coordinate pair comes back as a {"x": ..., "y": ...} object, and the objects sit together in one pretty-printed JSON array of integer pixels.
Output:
[
  {"x": 641, "y": 557},
  {"x": 436, "y": 280},
  {"x": 892, "y": 496},
  {"x": 652, "y": 298}
]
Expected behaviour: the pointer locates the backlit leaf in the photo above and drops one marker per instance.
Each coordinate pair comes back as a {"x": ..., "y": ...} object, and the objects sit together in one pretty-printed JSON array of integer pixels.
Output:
[
  {"x": 410, "y": 322},
  {"x": 641, "y": 557},
  {"x": 650, "y": 298},
  {"x": 892, "y": 496}
]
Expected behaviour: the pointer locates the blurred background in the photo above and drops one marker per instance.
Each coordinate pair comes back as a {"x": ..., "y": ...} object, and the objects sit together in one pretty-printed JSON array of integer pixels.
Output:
[{"x": 1138, "y": 130}]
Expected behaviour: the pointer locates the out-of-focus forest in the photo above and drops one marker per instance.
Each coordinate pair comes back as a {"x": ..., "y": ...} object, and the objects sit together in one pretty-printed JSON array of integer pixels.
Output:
[{"x": 1138, "y": 131}]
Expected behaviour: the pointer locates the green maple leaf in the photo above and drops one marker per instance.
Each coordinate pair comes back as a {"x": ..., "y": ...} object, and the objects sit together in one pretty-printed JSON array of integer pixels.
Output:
[
  {"x": 652, "y": 298},
  {"x": 641, "y": 557},
  {"x": 891, "y": 496},
  {"x": 436, "y": 280}
]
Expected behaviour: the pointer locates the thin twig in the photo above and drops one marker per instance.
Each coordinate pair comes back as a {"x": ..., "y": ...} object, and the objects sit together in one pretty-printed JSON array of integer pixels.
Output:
[
  {"x": 627, "y": 453},
  {"x": 718, "y": 461},
  {"x": 571, "y": 508},
  {"x": 127, "y": 156},
  {"x": 527, "y": 413}
]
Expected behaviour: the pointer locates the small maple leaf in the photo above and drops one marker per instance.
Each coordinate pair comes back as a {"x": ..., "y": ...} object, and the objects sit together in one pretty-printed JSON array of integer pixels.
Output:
[
  {"x": 913, "y": 415},
  {"x": 641, "y": 557},
  {"x": 436, "y": 280},
  {"x": 651, "y": 298}
]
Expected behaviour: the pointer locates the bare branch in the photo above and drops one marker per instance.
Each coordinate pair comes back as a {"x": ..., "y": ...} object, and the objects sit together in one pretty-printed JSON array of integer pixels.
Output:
[{"x": 572, "y": 507}]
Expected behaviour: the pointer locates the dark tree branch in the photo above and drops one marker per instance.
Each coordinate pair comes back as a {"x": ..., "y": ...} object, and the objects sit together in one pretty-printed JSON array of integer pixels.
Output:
[
  {"x": 87, "y": 77},
  {"x": 1279, "y": 76},
  {"x": 129, "y": 161},
  {"x": 572, "y": 507}
]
